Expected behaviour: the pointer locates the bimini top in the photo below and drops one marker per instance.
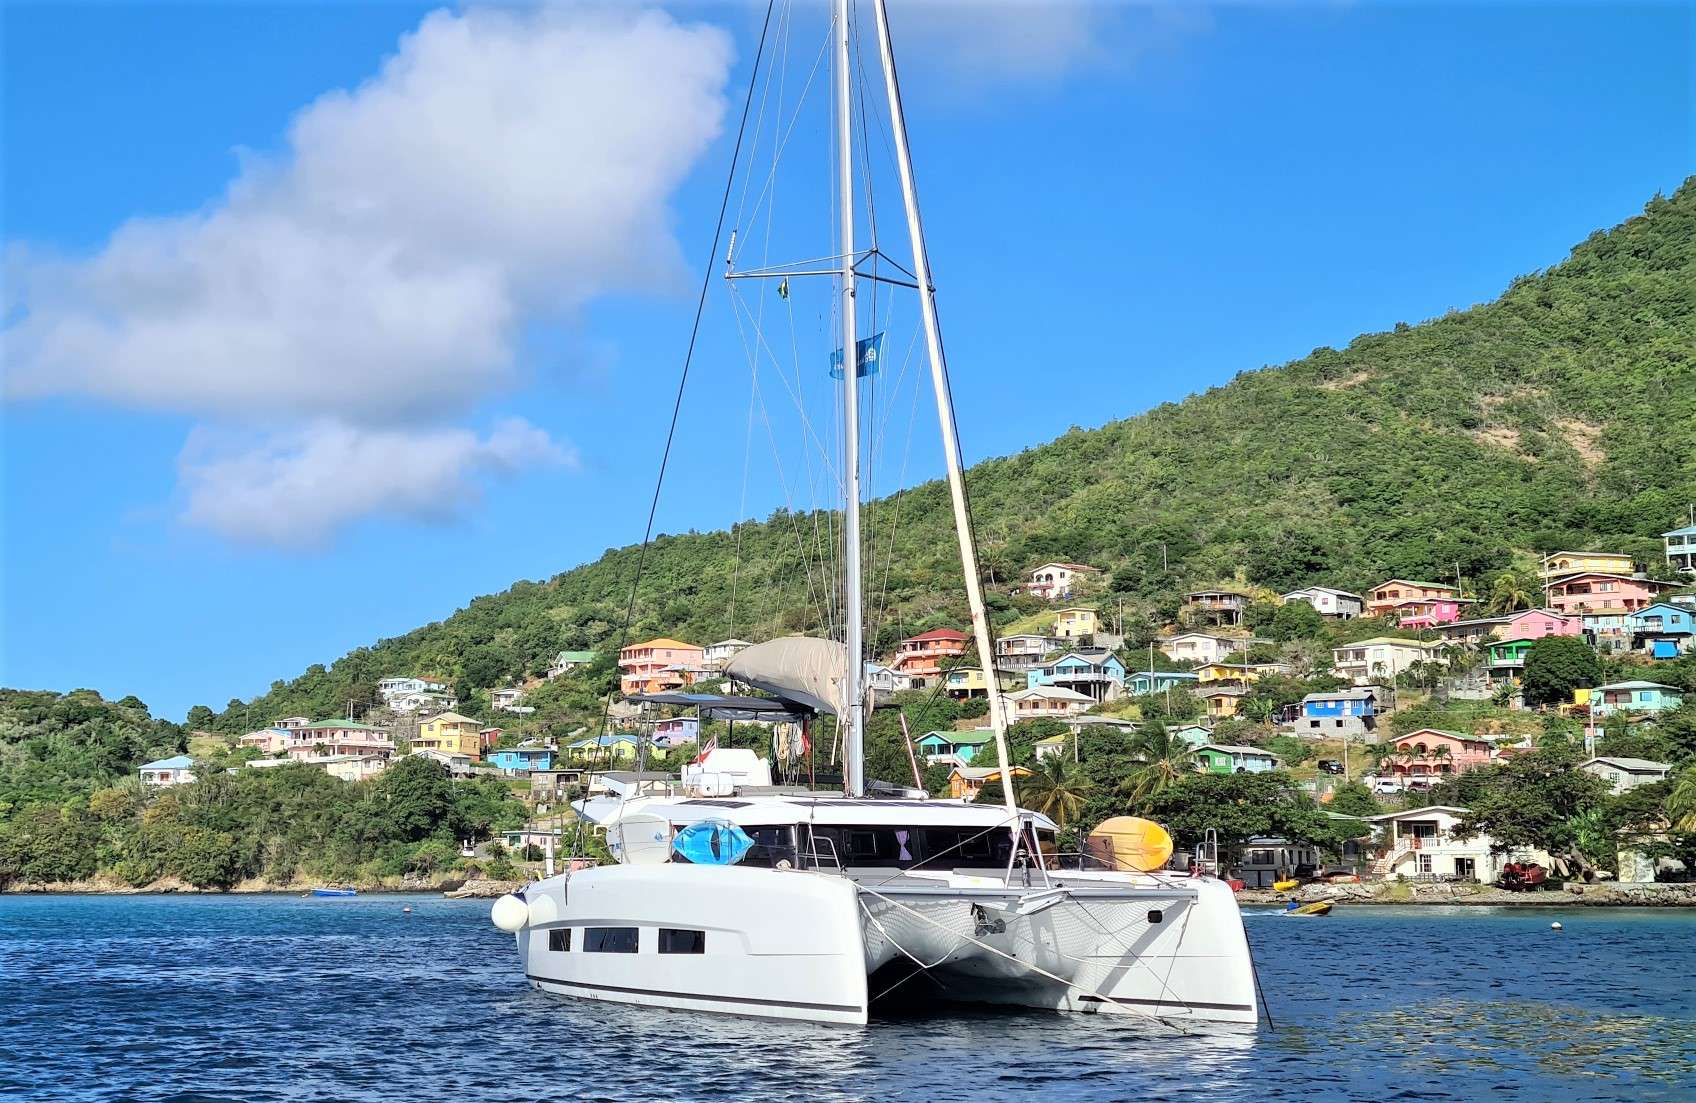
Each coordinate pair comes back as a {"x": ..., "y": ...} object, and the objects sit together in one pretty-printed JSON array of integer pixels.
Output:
[{"x": 714, "y": 706}]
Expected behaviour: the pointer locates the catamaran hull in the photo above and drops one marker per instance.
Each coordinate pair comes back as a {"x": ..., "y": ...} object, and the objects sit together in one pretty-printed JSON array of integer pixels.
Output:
[
  {"x": 796, "y": 945},
  {"x": 1175, "y": 953},
  {"x": 775, "y": 943}
]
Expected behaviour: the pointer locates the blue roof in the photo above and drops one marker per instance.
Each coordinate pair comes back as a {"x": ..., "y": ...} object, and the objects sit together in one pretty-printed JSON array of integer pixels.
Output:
[
  {"x": 1687, "y": 530},
  {"x": 175, "y": 762}
]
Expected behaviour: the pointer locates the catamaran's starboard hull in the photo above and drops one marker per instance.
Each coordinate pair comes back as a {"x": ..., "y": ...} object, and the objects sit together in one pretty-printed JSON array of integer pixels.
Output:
[{"x": 797, "y": 945}]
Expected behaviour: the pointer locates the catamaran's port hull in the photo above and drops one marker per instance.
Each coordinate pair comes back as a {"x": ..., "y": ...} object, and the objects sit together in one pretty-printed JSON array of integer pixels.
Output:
[{"x": 786, "y": 944}]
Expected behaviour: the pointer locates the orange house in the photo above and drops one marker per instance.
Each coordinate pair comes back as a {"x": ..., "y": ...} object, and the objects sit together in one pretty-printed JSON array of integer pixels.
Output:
[
  {"x": 923, "y": 656},
  {"x": 1421, "y": 761},
  {"x": 658, "y": 666},
  {"x": 1382, "y": 599}
]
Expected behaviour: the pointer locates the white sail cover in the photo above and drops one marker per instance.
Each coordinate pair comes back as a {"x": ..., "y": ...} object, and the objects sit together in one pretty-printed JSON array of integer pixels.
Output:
[{"x": 803, "y": 669}]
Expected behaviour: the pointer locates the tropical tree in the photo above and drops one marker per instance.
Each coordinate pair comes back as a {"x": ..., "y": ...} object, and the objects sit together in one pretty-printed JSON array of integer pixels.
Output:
[
  {"x": 1161, "y": 760},
  {"x": 1681, "y": 802},
  {"x": 1557, "y": 665},
  {"x": 1511, "y": 591},
  {"x": 1057, "y": 788}
]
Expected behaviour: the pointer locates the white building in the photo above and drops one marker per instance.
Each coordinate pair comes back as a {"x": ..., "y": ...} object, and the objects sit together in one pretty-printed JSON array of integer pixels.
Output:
[
  {"x": 428, "y": 701},
  {"x": 289, "y": 723},
  {"x": 567, "y": 661},
  {"x": 507, "y": 699},
  {"x": 1336, "y": 604},
  {"x": 1200, "y": 648},
  {"x": 715, "y": 656},
  {"x": 351, "y": 767},
  {"x": 458, "y": 765},
  {"x": 1380, "y": 658},
  {"x": 1626, "y": 773},
  {"x": 1421, "y": 843},
  {"x": 390, "y": 688},
  {"x": 1057, "y": 581},
  {"x": 1039, "y": 701},
  {"x": 176, "y": 770}
]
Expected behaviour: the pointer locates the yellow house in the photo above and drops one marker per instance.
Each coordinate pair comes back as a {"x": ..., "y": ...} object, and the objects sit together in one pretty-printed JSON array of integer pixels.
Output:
[
  {"x": 1228, "y": 672},
  {"x": 1556, "y": 564},
  {"x": 969, "y": 681},
  {"x": 451, "y": 733},
  {"x": 1076, "y": 621}
]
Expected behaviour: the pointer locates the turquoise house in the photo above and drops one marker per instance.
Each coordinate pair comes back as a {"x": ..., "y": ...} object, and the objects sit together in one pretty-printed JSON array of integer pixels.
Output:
[
  {"x": 1099, "y": 675},
  {"x": 1663, "y": 629},
  {"x": 1147, "y": 682},
  {"x": 1193, "y": 735},
  {"x": 522, "y": 758},
  {"x": 1634, "y": 699},
  {"x": 962, "y": 745}
]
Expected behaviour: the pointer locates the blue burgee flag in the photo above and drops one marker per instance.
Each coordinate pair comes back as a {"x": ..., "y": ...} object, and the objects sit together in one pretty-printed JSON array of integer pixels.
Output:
[{"x": 870, "y": 350}]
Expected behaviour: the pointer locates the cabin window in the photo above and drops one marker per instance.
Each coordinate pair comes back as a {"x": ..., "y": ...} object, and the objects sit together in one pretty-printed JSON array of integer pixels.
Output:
[
  {"x": 674, "y": 941},
  {"x": 609, "y": 940},
  {"x": 559, "y": 939}
]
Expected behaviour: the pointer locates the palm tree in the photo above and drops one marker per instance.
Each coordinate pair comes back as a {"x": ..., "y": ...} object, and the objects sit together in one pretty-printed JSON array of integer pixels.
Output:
[
  {"x": 1057, "y": 788},
  {"x": 1511, "y": 591},
  {"x": 1681, "y": 802},
  {"x": 1161, "y": 759}
]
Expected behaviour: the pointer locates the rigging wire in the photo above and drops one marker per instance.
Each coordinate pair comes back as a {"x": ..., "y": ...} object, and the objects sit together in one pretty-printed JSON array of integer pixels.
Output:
[{"x": 677, "y": 403}]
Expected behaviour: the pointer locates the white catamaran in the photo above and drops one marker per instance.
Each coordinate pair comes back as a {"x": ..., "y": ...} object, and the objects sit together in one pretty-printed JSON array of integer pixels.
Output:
[{"x": 805, "y": 905}]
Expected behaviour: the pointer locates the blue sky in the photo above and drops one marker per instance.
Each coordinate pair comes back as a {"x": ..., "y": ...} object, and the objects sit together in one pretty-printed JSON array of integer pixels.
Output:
[{"x": 231, "y": 449}]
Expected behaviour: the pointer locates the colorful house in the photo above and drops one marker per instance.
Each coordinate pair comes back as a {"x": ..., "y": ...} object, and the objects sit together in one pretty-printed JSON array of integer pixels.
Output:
[
  {"x": 1239, "y": 674},
  {"x": 966, "y": 782},
  {"x": 715, "y": 656},
  {"x": 336, "y": 737},
  {"x": 508, "y": 699},
  {"x": 1534, "y": 624},
  {"x": 1200, "y": 647},
  {"x": 1342, "y": 712},
  {"x": 1430, "y": 755},
  {"x": 1507, "y": 660},
  {"x": 1663, "y": 629},
  {"x": 961, "y": 746},
  {"x": 674, "y": 731},
  {"x": 1222, "y": 702},
  {"x": 1146, "y": 682},
  {"x": 1634, "y": 698},
  {"x": 1559, "y": 564},
  {"x": 1192, "y": 735},
  {"x": 1595, "y": 592},
  {"x": 176, "y": 770},
  {"x": 1220, "y": 758},
  {"x": 567, "y": 661},
  {"x": 267, "y": 741},
  {"x": 1380, "y": 658},
  {"x": 620, "y": 746},
  {"x": 920, "y": 659},
  {"x": 1382, "y": 599},
  {"x": 1054, "y": 746},
  {"x": 1681, "y": 548},
  {"x": 1076, "y": 621},
  {"x": 452, "y": 733},
  {"x": 1220, "y": 608},
  {"x": 1056, "y": 581},
  {"x": 970, "y": 681},
  {"x": 1098, "y": 675},
  {"x": 522, "y": 759},
  {"x": 1428, "y": 612},
  {"x": 1040, "y": 701},
  {"x": 1329, "y": 603},
  {"x": 657, "y": 666}
]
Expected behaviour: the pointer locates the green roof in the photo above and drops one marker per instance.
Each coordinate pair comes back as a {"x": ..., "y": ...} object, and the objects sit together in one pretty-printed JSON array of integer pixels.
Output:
[
  {"x": 577, "y": 656},
  {"x": 969, "y": 738}
]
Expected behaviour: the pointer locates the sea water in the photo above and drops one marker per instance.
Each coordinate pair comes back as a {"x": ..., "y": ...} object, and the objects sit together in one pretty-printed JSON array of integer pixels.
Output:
[{"x": 281, "y": 998}]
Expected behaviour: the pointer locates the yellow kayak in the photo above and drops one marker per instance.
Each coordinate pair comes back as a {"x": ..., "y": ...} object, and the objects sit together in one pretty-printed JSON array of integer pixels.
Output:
[
  {"x": 1285, "y": 886},
  {"x": 1315, "y": 909}
]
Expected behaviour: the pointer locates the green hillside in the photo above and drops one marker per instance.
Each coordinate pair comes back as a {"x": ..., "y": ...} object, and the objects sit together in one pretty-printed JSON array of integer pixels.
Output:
[{"x": 1561, "y": 415}]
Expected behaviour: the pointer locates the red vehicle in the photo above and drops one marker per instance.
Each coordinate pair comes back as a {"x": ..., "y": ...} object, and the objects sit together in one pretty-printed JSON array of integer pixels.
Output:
[{"x": 1522, "y": 877}]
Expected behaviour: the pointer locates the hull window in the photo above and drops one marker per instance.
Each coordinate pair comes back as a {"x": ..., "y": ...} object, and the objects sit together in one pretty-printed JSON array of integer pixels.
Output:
[
  {"x": 609, "y": 940},
  {"x": 559, "y": 939},
  {"x": 682, "y": 942}
]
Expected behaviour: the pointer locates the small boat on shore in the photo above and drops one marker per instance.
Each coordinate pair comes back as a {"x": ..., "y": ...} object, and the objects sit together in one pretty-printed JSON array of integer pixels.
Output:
[
  {"x": 1313, "y": 910},
  {"x": 334, "y": 892}
]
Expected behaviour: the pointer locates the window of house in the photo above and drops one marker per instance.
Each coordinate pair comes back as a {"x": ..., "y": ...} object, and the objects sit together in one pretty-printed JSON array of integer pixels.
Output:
[
  {"x": 673, "y": 941},
  {"x": 559, "y": 939},
  {"x": 609, "y": 940}
]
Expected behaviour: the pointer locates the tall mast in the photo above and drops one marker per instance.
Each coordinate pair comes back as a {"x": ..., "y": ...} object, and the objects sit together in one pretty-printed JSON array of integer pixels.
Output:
[
  {"x": 944, "y": 404},
  {"x": 853, "y": 743}
]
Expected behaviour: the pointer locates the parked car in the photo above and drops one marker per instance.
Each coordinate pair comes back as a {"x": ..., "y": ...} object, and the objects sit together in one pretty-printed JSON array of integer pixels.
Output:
[
  {"x": 1385, "y": 785},
  {"x": 1330, "y": 766}
]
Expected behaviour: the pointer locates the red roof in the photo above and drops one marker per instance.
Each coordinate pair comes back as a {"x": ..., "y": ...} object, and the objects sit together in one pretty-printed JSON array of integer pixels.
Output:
[{"x": 938, "y": 634}]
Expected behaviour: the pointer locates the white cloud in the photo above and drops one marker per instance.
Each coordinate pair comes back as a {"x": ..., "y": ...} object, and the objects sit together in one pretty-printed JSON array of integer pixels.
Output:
[
  {"x": 502, "y": 165},
  {"x": 295, "y": 489}
]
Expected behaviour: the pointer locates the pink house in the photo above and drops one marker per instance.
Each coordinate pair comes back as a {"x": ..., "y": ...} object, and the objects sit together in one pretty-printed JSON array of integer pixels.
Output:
[
  {"x": 1534, "y": 624},
  {"x": 337, "y": 737},
  {"x": 1428, "y": 612},
  {"x": 1594, "y": 592},
  {"x": 1430, "y": 755}
]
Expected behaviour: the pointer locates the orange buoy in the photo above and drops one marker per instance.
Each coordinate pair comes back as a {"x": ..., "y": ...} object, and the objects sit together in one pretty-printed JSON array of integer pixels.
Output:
[{"x": 1130, "y": 842}]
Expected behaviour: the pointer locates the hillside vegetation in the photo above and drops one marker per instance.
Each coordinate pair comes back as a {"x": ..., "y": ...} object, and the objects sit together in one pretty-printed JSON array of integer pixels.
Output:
[{"x": 1561, "y": 415}]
